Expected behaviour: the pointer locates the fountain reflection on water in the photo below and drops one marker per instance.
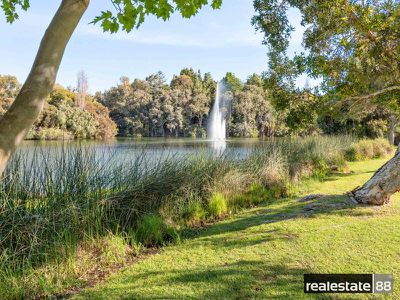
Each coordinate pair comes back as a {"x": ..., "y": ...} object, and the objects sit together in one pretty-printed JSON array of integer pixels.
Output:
[{"x": 216, "y": 127}]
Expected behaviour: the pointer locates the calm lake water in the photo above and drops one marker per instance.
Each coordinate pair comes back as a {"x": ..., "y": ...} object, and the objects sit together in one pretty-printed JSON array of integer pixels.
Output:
[{"x": 154, "y": 148}]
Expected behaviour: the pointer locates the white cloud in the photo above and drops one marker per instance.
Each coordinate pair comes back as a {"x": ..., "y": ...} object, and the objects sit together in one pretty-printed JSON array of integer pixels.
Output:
[{"x": 206, "y": 39}]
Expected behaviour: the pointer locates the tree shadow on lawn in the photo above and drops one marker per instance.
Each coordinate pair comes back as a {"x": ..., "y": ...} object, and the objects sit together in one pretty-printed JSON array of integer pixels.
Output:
[
  {"x": 337, "y": 176},
  {"x": 241, "y": 279},
  {"x": 328, "y": 204},
  {"x": 244, "y": 279}
]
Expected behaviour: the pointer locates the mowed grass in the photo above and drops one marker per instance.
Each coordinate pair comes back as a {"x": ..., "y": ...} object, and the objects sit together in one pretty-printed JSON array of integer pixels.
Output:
[{"x": 264, "y": 252}]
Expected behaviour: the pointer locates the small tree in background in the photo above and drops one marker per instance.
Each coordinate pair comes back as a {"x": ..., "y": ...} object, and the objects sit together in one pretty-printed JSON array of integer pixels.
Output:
[{"x": 82, "y": 89}]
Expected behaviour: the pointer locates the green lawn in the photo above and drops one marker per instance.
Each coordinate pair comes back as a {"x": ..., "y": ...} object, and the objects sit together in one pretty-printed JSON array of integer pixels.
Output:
[{"x": 264, "y": 252}]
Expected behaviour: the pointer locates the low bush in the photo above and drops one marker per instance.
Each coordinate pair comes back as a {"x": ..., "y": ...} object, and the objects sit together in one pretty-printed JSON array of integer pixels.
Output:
[
  {"x": 193, "y": 213},
  {"x": 337, "y": 162},
  {"x": 368, "y": 149},
  {"x": 152, "y": 231},
  {"x": 50, "y": 134},
  {"x": 217, "y": 205},
  {"x": 256, "y": 195}
]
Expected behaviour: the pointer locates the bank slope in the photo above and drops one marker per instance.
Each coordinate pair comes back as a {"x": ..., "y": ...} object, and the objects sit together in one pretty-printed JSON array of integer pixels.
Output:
[{"x": 264, "y": 252}]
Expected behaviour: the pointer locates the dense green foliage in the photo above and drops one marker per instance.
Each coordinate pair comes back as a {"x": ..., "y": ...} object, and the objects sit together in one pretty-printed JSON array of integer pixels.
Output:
[
  {"x": 56, "y": 204},
  {"x": 127, "y": 14},
  {"x": 9, "y": 88},
  {"x": 255, "y": 108},
  {"x": 352, "y": 46},
  {"x": 61, "y": 118},
  {"x": 151, "y": 107}
]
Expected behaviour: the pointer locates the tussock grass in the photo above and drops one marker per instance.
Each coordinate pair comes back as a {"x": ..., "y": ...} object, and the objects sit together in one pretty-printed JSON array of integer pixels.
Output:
[{"x": 53, "y": 204}]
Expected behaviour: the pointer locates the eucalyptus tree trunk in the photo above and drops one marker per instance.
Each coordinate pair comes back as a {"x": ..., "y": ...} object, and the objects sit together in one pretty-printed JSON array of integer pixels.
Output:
[
  {"x": 383, "y": 184},
  {"x": 392, "y": 129},
  {"x": 29, "y": 103}
]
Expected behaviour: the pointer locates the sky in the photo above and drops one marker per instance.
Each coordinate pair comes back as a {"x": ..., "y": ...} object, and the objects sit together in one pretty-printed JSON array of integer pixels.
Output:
[{"x": 215, "y": 41}]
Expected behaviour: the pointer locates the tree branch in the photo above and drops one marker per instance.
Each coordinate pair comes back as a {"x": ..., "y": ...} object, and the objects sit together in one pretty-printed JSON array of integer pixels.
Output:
[{"x": 375, "y": 94}]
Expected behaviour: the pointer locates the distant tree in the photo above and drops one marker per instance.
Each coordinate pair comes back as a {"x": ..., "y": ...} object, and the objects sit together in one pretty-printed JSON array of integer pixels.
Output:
[
  {"x": 182, "y": 96},
  {"x": 197, "y": 99},
  {"x": 106, "y": 128},
  {"x": 128, "y": 105},
  {"x": 82, "y": 89},
  {"x": 159, "y": 94},
  {"x": 9, "y": 88},
  {"x": 256, "y": 80},
  {"x": 302, "y": 113},
  {"x": 151, "y": 107},
  {"x": 233, "y": 83},
  {"x": 209, "y": 86},
  {"x": 251, "y": 113}
]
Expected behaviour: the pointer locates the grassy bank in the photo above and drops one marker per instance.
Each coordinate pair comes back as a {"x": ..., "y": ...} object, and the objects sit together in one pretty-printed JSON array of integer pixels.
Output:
[
  {"x": 262, "y": 253},
  {"x": 74, "y": 215}
]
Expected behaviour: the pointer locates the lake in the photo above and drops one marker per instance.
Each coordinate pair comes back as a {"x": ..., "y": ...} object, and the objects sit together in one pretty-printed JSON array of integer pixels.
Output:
[{"x": 121, "y": 149}]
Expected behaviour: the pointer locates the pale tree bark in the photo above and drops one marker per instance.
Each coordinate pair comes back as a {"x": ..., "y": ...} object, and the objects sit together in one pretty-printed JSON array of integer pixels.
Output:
[
  {"x": 29, "y": 103},
  {"x": 392, "y": 129},
  {"x": 382, "y": 185}
]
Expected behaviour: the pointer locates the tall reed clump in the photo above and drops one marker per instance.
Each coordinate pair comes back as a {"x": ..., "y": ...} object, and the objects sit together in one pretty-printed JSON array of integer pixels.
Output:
[
  {"x": 52, "y": 202},
  {"x": 61, "y": 210}
]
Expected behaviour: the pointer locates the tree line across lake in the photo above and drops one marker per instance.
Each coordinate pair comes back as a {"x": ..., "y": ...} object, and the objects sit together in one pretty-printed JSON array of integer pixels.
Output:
[{"x": 154, "y": 108}]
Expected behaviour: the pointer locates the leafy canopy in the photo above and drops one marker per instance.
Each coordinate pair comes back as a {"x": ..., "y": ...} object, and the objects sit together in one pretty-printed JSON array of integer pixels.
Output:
[
  {"x": 127, "y": 14},
  {"x": 354, "y": 45}
]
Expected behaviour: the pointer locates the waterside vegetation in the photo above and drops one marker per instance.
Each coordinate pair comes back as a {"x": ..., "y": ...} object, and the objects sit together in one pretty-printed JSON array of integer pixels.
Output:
[{"x": 72, "y": 215}]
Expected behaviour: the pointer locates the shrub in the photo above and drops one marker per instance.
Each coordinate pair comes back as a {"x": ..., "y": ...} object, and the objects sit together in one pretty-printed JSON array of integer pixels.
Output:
[
  {"x": 368, "y": 149},
  {"x": 337, "y": 162},
  {"x": 193, "y": 213},
  {"x": 235, "y": 181},
  {"x": 255, "y": 195},
  {"x": 320, "y": 167},
  {"x": 152, "y": 231},
  {"x": 217, "y": 205},
  {"x": 274, "y": 175},
  {"x": 240, "y": 201},
  {"x": 51, "y": 134},
  {"x": 381, "y": 148}
]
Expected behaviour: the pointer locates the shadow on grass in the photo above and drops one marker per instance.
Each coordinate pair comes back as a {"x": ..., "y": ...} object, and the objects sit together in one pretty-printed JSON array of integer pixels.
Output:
[
  {"x": 291, "y": 209},
  {"x": 337, "y": 176},
  {"x": 244, "y": 279}
]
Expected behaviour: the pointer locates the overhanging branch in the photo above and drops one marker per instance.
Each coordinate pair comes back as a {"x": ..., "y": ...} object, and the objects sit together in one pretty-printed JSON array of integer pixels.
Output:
[{"x": 375, "y": 94}]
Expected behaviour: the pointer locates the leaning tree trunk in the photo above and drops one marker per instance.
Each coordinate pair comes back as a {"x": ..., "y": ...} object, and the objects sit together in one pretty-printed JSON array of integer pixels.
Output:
[
  {"x": 392, "y": 129},
  {"x": 383, "y": 184},
  {"x": 29, "y": 103}
]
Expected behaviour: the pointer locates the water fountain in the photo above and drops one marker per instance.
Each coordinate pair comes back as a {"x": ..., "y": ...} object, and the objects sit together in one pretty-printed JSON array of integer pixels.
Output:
[{"x": 216, "y": 127}]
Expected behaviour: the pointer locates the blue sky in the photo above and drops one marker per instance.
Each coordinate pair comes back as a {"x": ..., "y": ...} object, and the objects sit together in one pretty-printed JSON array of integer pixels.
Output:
[{"x": 213, "y": 41}]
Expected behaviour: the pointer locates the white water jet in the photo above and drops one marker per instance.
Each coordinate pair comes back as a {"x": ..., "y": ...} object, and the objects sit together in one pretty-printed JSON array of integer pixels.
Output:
[{"x": 216, "y": 129}]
